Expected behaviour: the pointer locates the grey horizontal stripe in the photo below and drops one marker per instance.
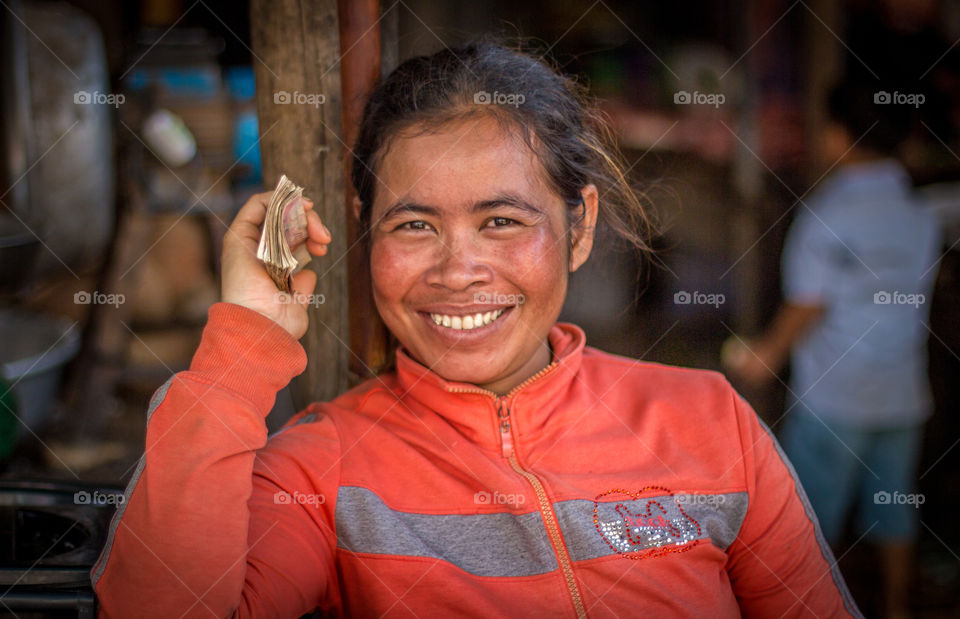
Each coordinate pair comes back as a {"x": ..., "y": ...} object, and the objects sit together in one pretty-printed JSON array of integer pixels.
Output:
[
  {"x": 497, "y": 544},
  {"x": 636, "y": 525}
]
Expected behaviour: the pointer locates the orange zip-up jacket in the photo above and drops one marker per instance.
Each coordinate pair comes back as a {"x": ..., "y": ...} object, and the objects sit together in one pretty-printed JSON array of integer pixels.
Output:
[{"x": 600, "y": 487}]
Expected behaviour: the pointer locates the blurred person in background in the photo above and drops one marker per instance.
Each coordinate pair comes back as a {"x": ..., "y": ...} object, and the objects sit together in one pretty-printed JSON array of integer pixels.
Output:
[{"x": 858, "y": 268}]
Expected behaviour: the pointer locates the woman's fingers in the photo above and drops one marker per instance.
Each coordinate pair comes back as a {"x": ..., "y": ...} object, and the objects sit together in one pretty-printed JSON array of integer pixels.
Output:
[
  {"x": 303, "y": 284},
  {"x": 317, "y": 249},
  {"x": 318, "y": 237},
  {"x": 249, "y": 218}
]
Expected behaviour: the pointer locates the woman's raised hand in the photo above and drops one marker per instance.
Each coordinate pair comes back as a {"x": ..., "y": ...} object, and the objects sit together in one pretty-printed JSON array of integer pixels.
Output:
[{"x": 244, "y": 279}]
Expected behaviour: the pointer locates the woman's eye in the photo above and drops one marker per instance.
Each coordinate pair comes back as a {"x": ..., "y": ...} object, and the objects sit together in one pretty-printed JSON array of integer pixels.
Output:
[
  {"x": 414, "y": 225},
  {"x": 499, "y": 222}
]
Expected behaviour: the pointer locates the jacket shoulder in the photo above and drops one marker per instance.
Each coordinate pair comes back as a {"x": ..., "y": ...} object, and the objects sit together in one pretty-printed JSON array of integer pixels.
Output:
[
  {"x": 668, "y": 377},
  {"x": 634, "y": 385}
]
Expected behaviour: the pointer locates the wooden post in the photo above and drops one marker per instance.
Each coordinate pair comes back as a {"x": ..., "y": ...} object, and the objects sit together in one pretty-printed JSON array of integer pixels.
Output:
[
  {"x": 296, "y": 60},
  {"x": 360, "y": 72}
]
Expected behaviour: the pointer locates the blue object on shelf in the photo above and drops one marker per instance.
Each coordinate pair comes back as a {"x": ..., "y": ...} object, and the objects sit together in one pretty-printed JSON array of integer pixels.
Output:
[
  {"x": 246, "y": 147},
  {"x": 240, "y": 83},
  {"x": 194, "y": 82}
]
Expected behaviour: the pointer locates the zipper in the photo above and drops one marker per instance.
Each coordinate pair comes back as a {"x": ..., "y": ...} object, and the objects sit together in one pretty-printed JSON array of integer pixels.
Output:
[
  {"x": 503, "y": 412},
  {"x": 556, "y": 538},
  {"x": 502, "y": 404}
]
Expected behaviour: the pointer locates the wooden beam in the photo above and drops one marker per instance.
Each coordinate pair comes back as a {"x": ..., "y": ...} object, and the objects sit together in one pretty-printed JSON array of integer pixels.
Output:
[
  {"x": 296, "y": 60},
  {"x": 359, "y": 74}
]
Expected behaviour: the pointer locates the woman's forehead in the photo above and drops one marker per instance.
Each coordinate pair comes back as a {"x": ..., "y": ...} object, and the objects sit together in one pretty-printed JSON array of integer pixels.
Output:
[{"x": 463, "y": 162}]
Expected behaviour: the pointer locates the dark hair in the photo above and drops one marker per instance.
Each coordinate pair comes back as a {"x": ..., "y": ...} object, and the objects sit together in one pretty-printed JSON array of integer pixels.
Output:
[
  {"x": 874, "y": 121},
  {"x": 569, "y": 135}
]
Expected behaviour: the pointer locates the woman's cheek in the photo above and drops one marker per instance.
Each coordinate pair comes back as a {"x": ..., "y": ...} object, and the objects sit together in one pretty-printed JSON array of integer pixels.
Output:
[
  {"x": 538, "y": 265},
  {"x": 394, "y": 268},
  {"x": 384, "y": 270}
]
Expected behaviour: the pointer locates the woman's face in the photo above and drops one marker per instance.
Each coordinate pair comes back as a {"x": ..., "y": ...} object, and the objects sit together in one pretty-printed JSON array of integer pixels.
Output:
[{"x": 470, "y": 252}]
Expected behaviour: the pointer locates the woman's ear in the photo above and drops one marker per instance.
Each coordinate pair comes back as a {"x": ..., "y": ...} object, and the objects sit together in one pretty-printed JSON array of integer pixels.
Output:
[
  {"x": 357, "y": 207},
  {"x": 582, "y": 233}
]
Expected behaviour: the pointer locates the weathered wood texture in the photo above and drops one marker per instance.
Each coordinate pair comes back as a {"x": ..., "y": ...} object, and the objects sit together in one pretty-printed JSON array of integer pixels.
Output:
[
  {"x": 296, "y": 61},
  {"x": 359, "y": 73}
]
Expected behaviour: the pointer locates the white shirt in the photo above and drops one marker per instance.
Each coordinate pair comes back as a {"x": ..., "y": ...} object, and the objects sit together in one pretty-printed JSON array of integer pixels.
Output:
[{"x": 866, "y": 250}]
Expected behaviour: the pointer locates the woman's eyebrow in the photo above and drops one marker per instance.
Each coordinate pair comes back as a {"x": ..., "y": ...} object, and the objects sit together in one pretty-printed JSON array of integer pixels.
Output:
[
  {"x": 506, "y": 200},
  {"x": 409, "y": 208},
  {"x": 413, "y": 208}
]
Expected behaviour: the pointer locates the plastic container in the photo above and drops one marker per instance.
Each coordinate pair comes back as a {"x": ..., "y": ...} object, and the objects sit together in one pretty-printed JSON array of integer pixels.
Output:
[{"x": 33, "y": 351}]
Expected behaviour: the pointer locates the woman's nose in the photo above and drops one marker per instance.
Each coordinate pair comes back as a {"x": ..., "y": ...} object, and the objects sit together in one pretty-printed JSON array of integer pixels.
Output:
[{"x": 460, "y": 263}]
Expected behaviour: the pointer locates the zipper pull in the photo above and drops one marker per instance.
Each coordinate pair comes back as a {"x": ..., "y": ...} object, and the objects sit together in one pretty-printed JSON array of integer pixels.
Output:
[
  {"x": 503, "y": 414},
  {"x": 506, "y": 439}
]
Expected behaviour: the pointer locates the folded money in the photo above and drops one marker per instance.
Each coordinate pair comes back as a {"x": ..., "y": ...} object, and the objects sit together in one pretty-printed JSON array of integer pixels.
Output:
[{"x": 283, "y": 247}]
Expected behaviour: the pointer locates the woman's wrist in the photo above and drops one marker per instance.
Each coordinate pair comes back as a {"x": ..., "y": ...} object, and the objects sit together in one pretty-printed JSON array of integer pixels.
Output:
[{"x": 245, "y": 352}]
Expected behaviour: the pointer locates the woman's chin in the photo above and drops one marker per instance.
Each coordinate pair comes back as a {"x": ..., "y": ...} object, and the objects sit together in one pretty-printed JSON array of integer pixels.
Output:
[{"x": 465, "y": 369}]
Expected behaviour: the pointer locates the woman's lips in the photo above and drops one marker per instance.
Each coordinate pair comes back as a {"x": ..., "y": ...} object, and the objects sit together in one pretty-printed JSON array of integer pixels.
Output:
[
  {"x": 466, "y": 322},
  {"x": 461, "y": 321}
]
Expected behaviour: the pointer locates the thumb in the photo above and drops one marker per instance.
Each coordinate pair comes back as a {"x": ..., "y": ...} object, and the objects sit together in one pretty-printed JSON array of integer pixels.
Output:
[{"x": 303, "y": 284}]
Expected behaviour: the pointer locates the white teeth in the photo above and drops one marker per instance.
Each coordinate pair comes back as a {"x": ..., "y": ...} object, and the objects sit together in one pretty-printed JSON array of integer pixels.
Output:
[{"x": 465, "y": 323}]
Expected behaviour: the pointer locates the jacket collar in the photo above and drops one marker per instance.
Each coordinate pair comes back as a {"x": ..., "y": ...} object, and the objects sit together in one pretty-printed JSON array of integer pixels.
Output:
[{"x": 473, "y": 410}]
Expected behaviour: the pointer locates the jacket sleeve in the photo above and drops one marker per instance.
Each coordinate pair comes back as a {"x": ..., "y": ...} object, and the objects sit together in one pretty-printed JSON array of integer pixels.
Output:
[
  {"x": 212, "y": 523},
  {"x": 780, "y": 565}
]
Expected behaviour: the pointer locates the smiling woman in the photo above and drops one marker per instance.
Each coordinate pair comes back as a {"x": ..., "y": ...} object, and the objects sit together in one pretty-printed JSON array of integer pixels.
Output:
[
  {"x": 471, "y": 222},
  {"x": 503, "y": 467}
]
